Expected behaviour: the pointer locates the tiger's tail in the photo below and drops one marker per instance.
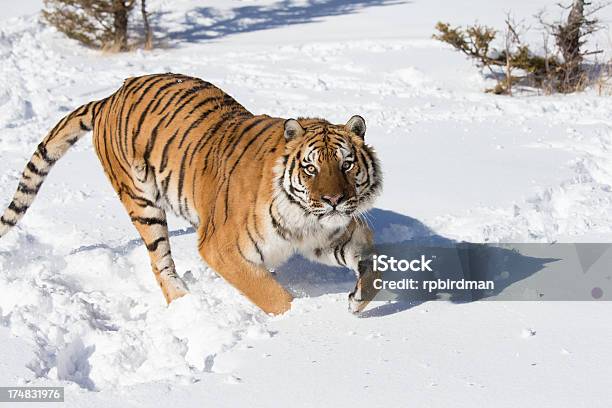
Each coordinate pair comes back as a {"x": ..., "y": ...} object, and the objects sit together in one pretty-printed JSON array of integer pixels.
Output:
[{"x": 66, "y": 133}]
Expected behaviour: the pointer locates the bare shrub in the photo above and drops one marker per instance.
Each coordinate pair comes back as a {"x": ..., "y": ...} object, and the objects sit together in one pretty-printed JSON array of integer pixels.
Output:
[{"x": 561, "y": 69}]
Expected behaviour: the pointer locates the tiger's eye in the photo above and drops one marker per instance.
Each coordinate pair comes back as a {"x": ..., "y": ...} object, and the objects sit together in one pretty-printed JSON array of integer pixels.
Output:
[
  {"x": 346, "y": 166},
  {"x": 310, "y": 169}
]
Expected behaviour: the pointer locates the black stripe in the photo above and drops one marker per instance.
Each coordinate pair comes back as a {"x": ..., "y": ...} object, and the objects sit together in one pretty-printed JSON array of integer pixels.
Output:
[
  {"x": 234, "y": 137},
  {"x": 162, "y": 256},
  {"x": 261, "y": 148},
  {"x": 152, "y": 247},
  {"x": 203, "y": 102},
  {"x": 165, "y": 267},
  {"x": 165, "y": 183},
  {"x": 118, "y": 111},
  {"x": 84, "y": 108},
  {"x": 228, "y": 101},
  {"x": 152, "y": 140},
  {"x": 229, "y": 174},
  {"x": 343, "y": 247},
  {"x": 161, "y": 98},
  {"x": 246, "y": 148},
  {"x": 336, "y": 256},
  {"x": 149, "y": 221},
  {"x": 30, "y": 166},
  {"x": 181, "y": 181},
  {"x": 165, "y": 155},
  {"x": 107, "y": 152},
  {"x": 59, "y": 127},
  {"x": 141, "y": 82},
  {"x": 22, "y": 188},
  {"x": 280, "y": 230},
  {"x": 242, "y": 254},
  {"x": 140, "y": 201},
  {"x": 84, "y": 127},
  {"x": 192, "y": 95},
  {"x": 204, "y": 140},
  {"x": 292, "y": 199},
  {"x": 174, "y": 95},
  {"x": 365, "y": 159},
  {"x": 133, "y": 106},
  {"x": 145, "y": 111},
  {"x": 226, "y": 201},
  {"x": 44, "y": 154},
  {"x": 97, "y": 107},
  {"x": 8, "y": 222},
  {"x": 17, "y": 209},
  {"x": 255, "y": 244},
  {"x": 255, "y": 225},
  {"x": 72, "y": 140},
  {"x": 211, "y": 132},
  {"x": 194, "y": 125},
  {"x": 293, "y": 196}
]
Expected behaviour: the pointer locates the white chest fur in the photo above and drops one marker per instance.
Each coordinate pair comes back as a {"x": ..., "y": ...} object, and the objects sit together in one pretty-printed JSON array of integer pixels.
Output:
[{"x": 298, "y": 232}]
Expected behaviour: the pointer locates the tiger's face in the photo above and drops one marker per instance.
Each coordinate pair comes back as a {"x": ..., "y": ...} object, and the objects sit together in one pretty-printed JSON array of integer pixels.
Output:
[{"x": 328, "y": 169}]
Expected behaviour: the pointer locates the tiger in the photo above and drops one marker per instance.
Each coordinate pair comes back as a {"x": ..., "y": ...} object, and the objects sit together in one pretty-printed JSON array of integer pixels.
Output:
[{"x": 257, "y": 189}]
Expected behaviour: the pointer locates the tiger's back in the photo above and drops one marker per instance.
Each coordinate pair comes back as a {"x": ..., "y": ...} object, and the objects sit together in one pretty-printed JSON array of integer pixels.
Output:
[{"x": 187, "y": 135}]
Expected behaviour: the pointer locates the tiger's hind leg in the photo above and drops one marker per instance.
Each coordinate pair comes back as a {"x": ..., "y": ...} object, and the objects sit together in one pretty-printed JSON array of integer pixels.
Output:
[{"x": 150, "y": 221}]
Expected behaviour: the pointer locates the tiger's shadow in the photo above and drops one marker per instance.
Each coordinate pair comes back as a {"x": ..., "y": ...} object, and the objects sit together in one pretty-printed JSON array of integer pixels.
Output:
[{"x": 455, "y": 260}]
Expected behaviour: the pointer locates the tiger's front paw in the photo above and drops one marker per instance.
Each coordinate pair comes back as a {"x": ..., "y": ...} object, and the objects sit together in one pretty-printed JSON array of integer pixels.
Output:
[
  {"x": 364, "y": 291},
  {"x": 356, "y": 304}
]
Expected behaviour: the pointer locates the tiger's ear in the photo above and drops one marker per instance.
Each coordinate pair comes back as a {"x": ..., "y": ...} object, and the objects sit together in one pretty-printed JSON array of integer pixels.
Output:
[
  {"x": 357, "y": 125},
  {"x": 293, "y": 129}
]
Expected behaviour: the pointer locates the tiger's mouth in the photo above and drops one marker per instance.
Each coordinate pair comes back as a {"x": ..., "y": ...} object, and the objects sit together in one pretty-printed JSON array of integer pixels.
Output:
[
  {"x": 334, "y": 212},
  {"x": 335, "y": 218},
  {"x": 338, "y": 212},
  {"x": 326, "y": 214},
  {"x": 345, "y": 209}
]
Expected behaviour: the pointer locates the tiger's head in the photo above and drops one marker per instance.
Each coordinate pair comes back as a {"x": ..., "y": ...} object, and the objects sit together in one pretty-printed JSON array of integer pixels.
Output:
[{"x": 328, "y": 170}]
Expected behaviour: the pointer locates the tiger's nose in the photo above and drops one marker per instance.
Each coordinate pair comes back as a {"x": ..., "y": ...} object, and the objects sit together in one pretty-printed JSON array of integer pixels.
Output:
[{"x": 333, "y": 199}]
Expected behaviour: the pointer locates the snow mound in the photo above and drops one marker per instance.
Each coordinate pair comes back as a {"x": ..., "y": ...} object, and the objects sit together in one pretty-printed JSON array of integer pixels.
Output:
[{"x": 95, "y": 324}]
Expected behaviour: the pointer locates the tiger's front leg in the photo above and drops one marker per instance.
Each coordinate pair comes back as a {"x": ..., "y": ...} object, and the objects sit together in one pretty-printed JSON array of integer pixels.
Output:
[
  {"x": 236, "y": 261},
  {"x": 365, "y": 290},
  {"x": 353, "y": 249}
]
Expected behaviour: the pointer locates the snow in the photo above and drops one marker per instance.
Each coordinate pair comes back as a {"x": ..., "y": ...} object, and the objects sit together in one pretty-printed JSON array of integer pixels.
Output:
[{"x": 78, "y": 303}]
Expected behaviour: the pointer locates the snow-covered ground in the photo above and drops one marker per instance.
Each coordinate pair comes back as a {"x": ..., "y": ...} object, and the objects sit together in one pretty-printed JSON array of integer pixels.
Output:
[{"x": 78, "y": 303}]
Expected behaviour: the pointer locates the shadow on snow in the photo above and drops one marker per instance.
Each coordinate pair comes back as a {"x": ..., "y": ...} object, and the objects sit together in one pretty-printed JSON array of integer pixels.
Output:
[
  {"x": 258, "y": 17},
  {"x": 309, "y": 279}
]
